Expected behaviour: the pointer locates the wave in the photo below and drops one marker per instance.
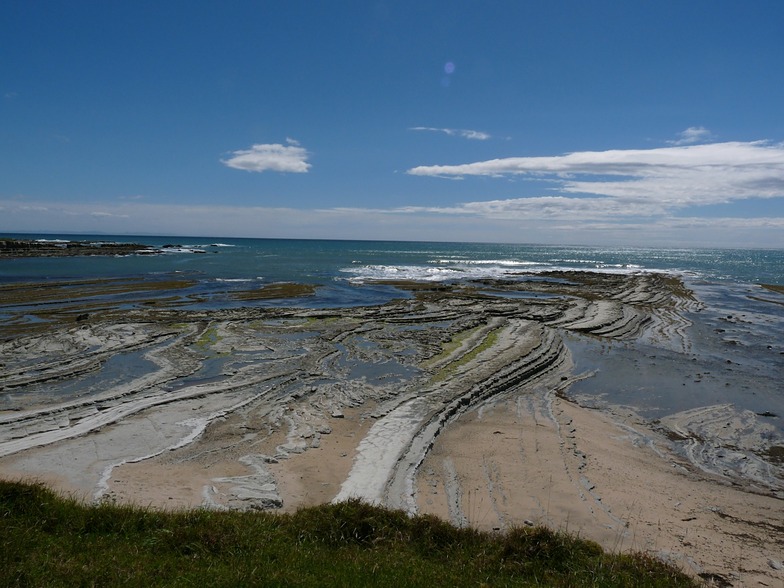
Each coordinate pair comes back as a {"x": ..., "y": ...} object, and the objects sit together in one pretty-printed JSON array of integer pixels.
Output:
[
  {"x": 476, "y": 270},
  {"x": 180, "y": 249},
  {"x": 426, "y": 273},
  {"x": 501, "y": 262}
]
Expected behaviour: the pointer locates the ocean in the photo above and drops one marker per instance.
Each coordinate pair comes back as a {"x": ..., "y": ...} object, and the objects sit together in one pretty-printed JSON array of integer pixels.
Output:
[{"x": 344, "y": 269}]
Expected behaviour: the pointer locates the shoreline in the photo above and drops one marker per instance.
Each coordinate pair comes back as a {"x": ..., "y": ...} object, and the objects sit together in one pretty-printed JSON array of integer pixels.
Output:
[{"x": 454, "y": 401}]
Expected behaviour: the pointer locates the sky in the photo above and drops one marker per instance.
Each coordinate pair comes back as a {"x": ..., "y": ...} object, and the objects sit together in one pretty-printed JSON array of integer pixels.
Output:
[{"x": 625, "y": 123}]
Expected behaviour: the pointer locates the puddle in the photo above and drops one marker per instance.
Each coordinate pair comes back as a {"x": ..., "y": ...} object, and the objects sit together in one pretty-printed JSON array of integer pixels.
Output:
[
  {"x": 375, "y": 369},
  {"x": 658, "y": 382},
  {"x": 115, "y": 371}
]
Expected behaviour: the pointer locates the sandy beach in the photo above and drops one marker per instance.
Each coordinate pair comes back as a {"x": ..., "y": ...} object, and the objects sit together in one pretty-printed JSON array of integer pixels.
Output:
[{"x": 457, "y": 401}]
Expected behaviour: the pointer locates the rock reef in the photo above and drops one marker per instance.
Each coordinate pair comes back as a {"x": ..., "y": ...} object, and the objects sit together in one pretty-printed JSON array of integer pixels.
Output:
[
  {"x": 47, "y": 248},
  {"x": 434, "y": 402}
]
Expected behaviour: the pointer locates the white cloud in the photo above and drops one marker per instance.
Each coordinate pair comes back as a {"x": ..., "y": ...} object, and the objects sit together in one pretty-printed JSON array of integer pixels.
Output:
[
  {"x": 544, "y": 208},
  {"x": 270, "y": 157},
  {"x": 103, "y": 214},
  {"x": 551, "y": 219},
  {"x": 610, "y": 197},
  {"x": 464, "y": 133},
  {"x": 692, "y": 135},
  {"x": 665, "y": 178}
]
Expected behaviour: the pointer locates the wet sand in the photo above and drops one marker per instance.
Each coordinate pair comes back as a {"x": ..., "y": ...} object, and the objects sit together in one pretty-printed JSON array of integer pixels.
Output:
[
  {"x": 606, "y": 477},
  {"x": 454, "y": 402}
]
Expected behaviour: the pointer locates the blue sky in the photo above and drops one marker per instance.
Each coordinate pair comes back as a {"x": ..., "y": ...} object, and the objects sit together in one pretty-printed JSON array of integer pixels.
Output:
[{"x": 564, "y": 122}]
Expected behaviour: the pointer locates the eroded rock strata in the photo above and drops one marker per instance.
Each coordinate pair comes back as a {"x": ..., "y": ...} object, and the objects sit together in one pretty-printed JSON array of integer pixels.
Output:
[
  {"x": 414, "y": 364},
  {"x": 270, "y": 408}
]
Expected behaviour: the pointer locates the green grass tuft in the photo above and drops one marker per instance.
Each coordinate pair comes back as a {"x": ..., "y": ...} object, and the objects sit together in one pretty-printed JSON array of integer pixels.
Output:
[{"x": 46, "y": 540}]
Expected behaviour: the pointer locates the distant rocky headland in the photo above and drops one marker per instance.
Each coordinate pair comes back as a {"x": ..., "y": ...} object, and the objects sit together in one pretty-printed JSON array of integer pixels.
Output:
[{"x": 47, "y": 248}]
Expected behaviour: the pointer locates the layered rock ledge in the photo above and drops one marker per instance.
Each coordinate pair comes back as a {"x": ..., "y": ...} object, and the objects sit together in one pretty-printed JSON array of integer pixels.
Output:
[
  {"x": 37, "y": 248},
  {"x": 452, "y": 401}
]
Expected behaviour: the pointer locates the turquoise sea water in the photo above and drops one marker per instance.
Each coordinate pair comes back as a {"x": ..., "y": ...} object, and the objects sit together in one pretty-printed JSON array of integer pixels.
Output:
[{"x": 343, "y": 265}]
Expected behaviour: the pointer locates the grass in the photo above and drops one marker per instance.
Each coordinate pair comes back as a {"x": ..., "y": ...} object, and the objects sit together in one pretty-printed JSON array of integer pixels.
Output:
[{"x": 46, "y": 540}]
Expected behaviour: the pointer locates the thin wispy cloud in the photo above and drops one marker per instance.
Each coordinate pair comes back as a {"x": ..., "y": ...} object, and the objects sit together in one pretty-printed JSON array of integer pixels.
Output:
[
  {"x": 691, "y": 136},
  {"x": 542, "y": 219},
  {"x": 104, "y": 214},
  {"x": 662, "y": 179},
  {"x": 464, "y": 133},
  {"x": 290, "y": 158},
  {"x": 544, "y": 208}
]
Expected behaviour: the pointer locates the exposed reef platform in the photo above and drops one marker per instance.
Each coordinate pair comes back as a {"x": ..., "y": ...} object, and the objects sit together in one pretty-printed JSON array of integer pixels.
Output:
[
  {"x": 63, "y": 248},
  {"x": 461, "y": 400}
]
